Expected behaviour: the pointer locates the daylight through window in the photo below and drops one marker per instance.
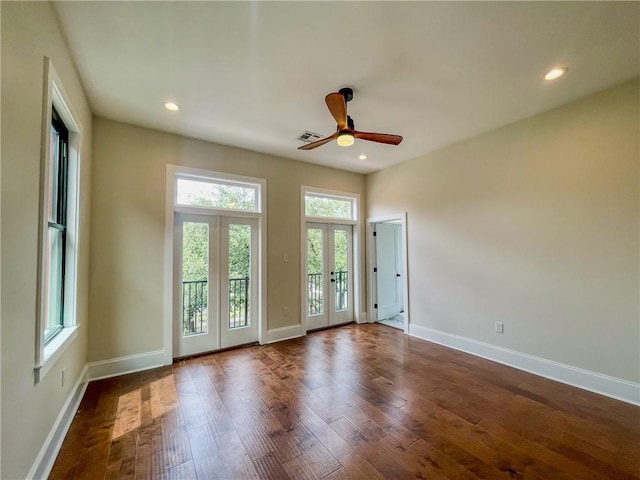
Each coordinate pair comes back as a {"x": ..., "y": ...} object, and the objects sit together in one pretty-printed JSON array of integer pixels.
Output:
[
  {"x": 57, "y": 226},
  {"x": 329, "y": 206},
  {"x": 217, "y": 194}
]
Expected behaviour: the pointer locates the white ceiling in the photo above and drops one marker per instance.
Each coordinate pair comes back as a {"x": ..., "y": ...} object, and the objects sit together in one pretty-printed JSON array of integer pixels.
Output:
[{"x": 254, "y": 74}]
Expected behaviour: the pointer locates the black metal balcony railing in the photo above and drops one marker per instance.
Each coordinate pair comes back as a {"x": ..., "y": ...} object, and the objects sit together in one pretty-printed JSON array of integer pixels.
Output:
[
  {"x": 194, "y": 305},
  {"x": 315, "y": 290},
  {"x": 195, "y": 300},
  {"x": 316, "y": 293},
  {"x": 239, "y": 294}
]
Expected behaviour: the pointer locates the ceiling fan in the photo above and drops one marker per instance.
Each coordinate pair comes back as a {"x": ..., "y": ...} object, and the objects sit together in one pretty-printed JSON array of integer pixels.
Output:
[{"x": 346, "y": 132}]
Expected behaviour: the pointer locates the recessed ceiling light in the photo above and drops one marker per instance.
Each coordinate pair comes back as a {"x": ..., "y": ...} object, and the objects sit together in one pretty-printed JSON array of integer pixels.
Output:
[
  {"x": 362, "y": 157},
  {"x": 174, "y": 107},
  {"x": 556, "y": 73}
]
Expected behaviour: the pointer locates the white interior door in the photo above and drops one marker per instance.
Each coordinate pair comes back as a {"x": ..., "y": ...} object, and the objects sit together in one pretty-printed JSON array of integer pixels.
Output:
[
  {"x": 389, "y": 269},
  {"x": 215, "y": 283},
  {"x": 329, "y": 275}
]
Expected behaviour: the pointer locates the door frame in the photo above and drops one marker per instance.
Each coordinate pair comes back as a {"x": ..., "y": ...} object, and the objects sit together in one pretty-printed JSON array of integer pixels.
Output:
[
  {"x": 372, "y": 290},
  {"x": 332, "y": 316},
  {"x": 172, "y": 172},
  {"x": 358, "y": 257}
]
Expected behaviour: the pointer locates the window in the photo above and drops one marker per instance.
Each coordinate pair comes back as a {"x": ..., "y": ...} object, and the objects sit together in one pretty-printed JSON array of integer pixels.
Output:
[
  {"x": 56, "y": 242},
  {"x": 219, "y": 194},
  {"x": 329, "y": 206},
  {"x": 57, "y": 323}
]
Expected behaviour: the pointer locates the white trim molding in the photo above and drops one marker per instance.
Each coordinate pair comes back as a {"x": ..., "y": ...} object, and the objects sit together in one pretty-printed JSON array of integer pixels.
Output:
[
  {"x": 617, "y": 388},
  {"x": 358, "y": 252},
  {"x": 172, "y": 173},
  {"x": 371, "y": 263},
  {"x": 48, "y": 453},
  {"x": 123, "y": 365},
  {"x": 284, "y": 333},
  {"x": 54, "y": 95}
]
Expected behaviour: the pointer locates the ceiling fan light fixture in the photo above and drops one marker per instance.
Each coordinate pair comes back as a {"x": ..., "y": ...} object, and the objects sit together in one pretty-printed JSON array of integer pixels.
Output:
[{"x": 345, "y": 139}]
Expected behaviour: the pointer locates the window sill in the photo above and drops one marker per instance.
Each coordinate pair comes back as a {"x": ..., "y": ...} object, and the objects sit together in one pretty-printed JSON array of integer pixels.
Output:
[{"x": 54, "y": 350}]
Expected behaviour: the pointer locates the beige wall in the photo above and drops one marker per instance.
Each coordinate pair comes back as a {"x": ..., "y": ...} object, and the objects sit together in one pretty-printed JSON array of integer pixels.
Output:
[
  {"x": 127, "y": 235},
  {"x": 534, "y": 225},
  {"x": 29, "y": 33}
]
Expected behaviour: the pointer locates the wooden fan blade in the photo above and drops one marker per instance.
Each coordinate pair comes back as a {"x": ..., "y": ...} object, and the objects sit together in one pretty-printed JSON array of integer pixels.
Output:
[
  {"x": 338, "y": 108},
  {"x": 378, "y": 137},
  {"x": 312, "y": 145}
]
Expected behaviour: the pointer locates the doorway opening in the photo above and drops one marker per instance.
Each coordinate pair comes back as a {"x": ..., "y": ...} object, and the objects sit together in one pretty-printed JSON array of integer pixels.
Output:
[
  {"x": 214, "y": 261},
  {"x": 216, "y": 282},
  {"x": 330, "y": 258},
  {"x": 388, "y": 271},
  {"x": 329, "y": 275}
]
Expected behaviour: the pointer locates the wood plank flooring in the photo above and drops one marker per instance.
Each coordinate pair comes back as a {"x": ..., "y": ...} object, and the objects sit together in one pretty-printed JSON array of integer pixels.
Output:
[{"x": 356, "y": 402}]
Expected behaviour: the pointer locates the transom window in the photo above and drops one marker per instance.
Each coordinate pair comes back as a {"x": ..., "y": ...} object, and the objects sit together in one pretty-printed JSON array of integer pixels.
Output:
[
  {"x": 329, "y": 206},
  {"x": 219, "y": 194}
]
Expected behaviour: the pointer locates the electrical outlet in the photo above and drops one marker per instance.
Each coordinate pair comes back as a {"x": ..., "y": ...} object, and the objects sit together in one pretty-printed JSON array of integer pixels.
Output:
[
  {"x": 499, "y": 327},
  {"x": 62, "y": 380},
  {"x": 285, "y": 311}
]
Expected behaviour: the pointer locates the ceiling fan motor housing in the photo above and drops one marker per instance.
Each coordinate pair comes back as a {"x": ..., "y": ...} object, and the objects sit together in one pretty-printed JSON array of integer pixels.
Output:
[
  {"x": 350, "y": 125},
  {"x": 347, "y": 93}
]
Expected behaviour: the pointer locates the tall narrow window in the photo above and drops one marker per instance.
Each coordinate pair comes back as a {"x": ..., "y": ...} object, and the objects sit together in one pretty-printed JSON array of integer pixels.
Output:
[
  {"x": 57, "y": 226},
  {"x": 57, "y": 319}
]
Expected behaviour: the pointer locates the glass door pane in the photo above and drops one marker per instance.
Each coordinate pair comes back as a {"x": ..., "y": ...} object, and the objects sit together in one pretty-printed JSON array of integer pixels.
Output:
[
  {"x": 195, "y": 278},
  {"x": 315, "y": 271},
  {"x": 341, "y": 264},
  {"x": 341, "y": 269},
  {"x": 239, "y": 275},
  {"x": 239, "y": 281}
]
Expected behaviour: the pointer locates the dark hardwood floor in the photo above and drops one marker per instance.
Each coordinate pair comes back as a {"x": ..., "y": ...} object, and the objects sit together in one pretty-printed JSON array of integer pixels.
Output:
[{"x": 361, "y": 401}]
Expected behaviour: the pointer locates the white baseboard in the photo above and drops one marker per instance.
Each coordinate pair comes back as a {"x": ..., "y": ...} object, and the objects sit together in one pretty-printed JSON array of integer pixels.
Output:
[
  {"x": 592, "y": 381},
  {"x": 284, "y": 333},
  {"x": 48, "y": 453},
  {"x": 124, "y": 365}
]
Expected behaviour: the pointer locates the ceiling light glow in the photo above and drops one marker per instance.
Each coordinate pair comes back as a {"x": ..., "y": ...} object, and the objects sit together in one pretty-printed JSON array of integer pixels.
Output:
[
  {"x": 174, "y": 107},
  {"x": 345, "y": 139},
  {"x": 556, "y": 73},
  {"x": 362, "y": 157}
]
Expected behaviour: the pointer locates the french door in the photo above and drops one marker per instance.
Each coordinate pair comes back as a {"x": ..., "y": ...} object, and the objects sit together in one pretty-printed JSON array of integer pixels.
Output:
[
  {"x": 329, "y": 274},
  {"x": 215, "y": 283}
]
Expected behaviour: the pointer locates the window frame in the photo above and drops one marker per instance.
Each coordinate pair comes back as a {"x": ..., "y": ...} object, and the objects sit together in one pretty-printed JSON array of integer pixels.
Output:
[
  {"x": 49, "y": 350},
  {"x": 218, "y": 179},
  {"x": 353, "y": 198},
  {"x": 58, "y": 219}
]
